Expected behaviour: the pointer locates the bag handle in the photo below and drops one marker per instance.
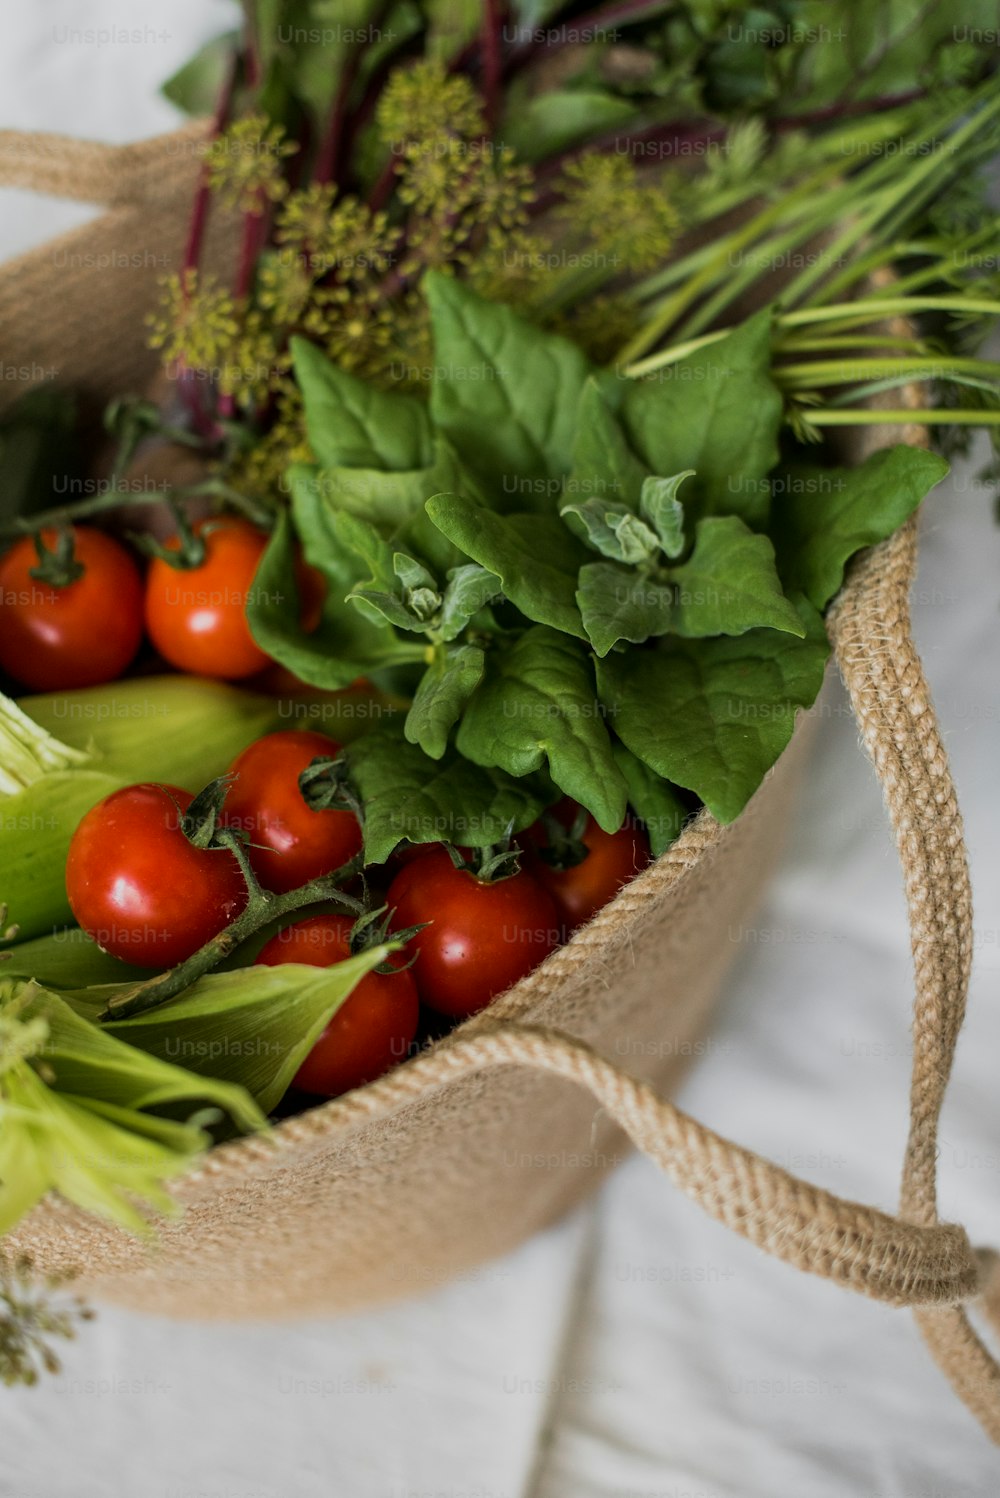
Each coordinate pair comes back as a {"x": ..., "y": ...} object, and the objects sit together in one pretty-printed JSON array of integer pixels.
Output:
[
  {"x": 912, "y": 1259},
  {"x": 92, "y": 172}
]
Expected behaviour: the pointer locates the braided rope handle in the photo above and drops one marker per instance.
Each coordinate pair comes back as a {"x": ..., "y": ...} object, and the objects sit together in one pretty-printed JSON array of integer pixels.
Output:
[
  {"x": 912, "y": 1259},
  {"x": 86, "y": 171}
]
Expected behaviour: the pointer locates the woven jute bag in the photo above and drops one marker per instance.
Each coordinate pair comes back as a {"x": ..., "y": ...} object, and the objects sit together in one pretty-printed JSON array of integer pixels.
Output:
[{"x": 499, "y": 1128}]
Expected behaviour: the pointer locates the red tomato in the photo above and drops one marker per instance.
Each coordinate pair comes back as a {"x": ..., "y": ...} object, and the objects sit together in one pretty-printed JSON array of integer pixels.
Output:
[
  {"x": 371, "y": 1031},
  {"x": 289, "y": 843},
  {"x": 196, "y": 616},
  {"x": 482, "y": 938},
  {"x": 139, "y": 888},
  {"x": 54, "y": 639},
  {"x": 579, "y": 892}
]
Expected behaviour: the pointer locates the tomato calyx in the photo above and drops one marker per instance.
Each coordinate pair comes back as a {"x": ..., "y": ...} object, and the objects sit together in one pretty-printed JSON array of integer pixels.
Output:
[
  {"x": 326, "y": 785},
  {"x": 201, "y": 823},
  {"x": 371, "y": 929},
  {"x": 564, "y": 847},
  {"x": 488, "y": 865},
  {"x": 188, "y": 549},
  {"x": 58, "y": 565}
]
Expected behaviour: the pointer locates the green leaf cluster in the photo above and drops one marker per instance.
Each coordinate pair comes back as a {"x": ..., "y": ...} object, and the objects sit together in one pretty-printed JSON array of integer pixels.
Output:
[{"x": 581, "y": 580}]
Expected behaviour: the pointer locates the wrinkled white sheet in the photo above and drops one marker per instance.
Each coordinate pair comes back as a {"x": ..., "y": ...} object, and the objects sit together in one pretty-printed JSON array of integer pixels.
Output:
[{"x": 637, "y": 1350}]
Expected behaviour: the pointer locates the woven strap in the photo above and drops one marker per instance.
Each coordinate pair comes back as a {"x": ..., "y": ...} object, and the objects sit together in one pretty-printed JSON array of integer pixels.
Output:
[
  {"x": 909, "y": 1260},
  {"x": 91, "y": 172}
]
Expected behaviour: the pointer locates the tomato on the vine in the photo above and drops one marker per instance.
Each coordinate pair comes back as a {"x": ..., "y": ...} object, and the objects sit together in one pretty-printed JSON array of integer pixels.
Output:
[
  {"x": 482, "y": 937},
  {"x": 196, "y": 616},
  {"x": 372, "y": 1030},
  {"x": 140, "y": 888},
  {"x": 582, "y": 887},
  {"x": 289, "y": 843},
  {"x": 58, "y": 638}
]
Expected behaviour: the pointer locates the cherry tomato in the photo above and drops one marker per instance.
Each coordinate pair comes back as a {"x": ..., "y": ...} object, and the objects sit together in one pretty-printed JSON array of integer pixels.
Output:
[
  {"x": 139, "y": 888},
  {"x": 289, "y": 843},
  {"x": 482, "y": 938},
  {"x": 371, "y": 1031},
  {"x": 54, "y": 639},
  {"x": 613, "y": 858},
  {"x": 196, "y": 616}
]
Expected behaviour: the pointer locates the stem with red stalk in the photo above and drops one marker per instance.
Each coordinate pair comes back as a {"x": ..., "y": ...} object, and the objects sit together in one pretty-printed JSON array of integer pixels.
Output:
[
  {"x": 492, "y": 62},
  {"x": 329, "y": 162}
]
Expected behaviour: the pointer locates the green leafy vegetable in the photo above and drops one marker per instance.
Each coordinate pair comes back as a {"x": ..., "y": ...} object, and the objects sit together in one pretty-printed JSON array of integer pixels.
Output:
[
  {"x": 351, "y": 424},
  {"x": 716, "y": 411},
  {"x": 713, "y": 715},
  {"x": 659, "y": 504},
  {"x": 441, "y": 696},
  {"x": 619, "y": 603},
  {"x": 823, "y": 516},
  {"x": 345, "y": 644},
  {"x": 604, "y": 466},
  {"x": 539, "y": 578},
  {"x": 652, "y": 799},
  {"x": 409, "y": 796},
  {"x": 729, "y": 584},
  {"x": 504, "y": 392},
  {"x": 537, "y": 706}
]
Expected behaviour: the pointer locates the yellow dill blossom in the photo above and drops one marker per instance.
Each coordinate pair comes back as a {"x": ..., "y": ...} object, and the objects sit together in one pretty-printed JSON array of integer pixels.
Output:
[
  {"x": 196, "y": 323},
  {"x": 254, "y": 364},
  {"x": 284, "y": 285},
  {"x": 426, "y": 103},
  {"x": 357, "y": 242},
  {"x": 511, "y": 265},
  {"x": 245, "y": 164},
  {"x": 303, "y": 217},
  {"x": 353, "y": 324},
  {"x": 631, "y": 222},
  {"x": 504, "y": 190}
]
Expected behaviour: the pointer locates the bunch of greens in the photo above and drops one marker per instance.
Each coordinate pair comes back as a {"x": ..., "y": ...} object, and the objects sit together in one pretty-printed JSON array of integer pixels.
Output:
[{"x": 581, "y": 579}]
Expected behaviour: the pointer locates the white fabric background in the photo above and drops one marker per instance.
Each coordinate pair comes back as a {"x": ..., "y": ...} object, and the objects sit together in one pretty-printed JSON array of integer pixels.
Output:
[{"x": 637, "y": 1350}]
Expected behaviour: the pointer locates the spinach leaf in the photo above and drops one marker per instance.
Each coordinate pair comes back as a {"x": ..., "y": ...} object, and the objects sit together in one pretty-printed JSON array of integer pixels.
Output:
[
  {"x": 718, "y": 412},
  {"x": 713, "y": 715},
  {"x": 441, "y": 696},
  {"x": 729, "y": 584},
  {"x": 537, "y": 705},
  {"x": 659, "y": 504},
  {"x": 619, "y": 603},
  {"x": 512, "y": 548},
  {"x": 352, "y": 424},
  {"x": 504, "y": 392},
  {"x": 344, "y": 645},
  {"x": 822, "y": 516},
  {"x": 604, "y": 465},
  {"x": 408, "y": 795},
  {"x": 612, "y": 529},
  {"x": 389, "y": 497},
  {"x": 653, "y": 799}
]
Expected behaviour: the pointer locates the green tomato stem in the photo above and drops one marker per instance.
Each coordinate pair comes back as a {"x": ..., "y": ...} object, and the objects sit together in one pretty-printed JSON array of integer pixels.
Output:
[{"x": 263, "y": 906}]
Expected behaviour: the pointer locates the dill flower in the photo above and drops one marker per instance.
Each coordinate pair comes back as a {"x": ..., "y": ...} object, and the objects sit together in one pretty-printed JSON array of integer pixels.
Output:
[
  {"x": 631, "y": 222},
  {"x": 426, "y": 103},
  {"x": 196, "y": 322},
  {"x": 284, "y": 285},
  {"x": 245, "y": 164}
]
